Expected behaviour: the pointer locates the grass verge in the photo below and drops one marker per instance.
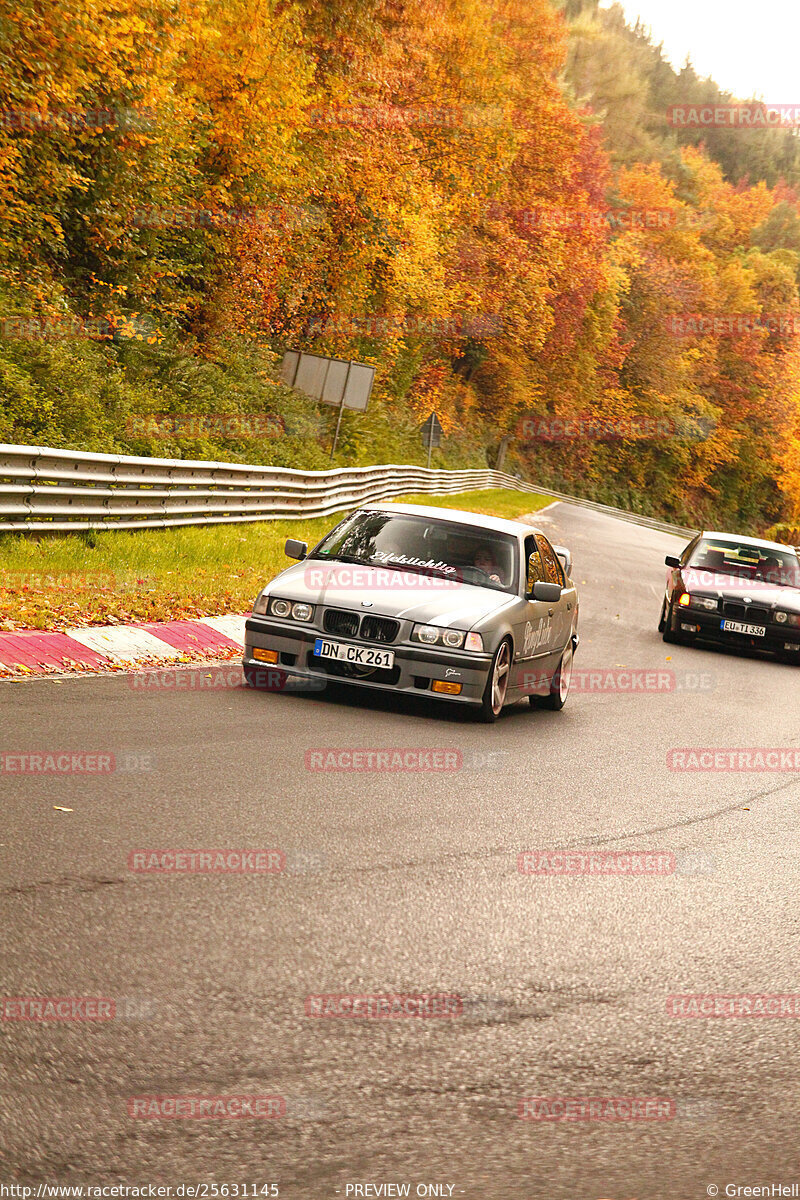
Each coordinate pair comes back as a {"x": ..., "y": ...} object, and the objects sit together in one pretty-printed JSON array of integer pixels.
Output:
[{"x": 129, "y": 576}]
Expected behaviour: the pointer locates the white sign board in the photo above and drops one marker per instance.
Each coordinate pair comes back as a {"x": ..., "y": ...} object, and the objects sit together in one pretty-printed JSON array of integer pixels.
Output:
[{"x": 330, "y": 380}]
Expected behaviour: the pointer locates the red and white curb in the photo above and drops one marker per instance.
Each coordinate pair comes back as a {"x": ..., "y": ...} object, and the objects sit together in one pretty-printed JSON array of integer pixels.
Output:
[{"x": 119, "y": 647}]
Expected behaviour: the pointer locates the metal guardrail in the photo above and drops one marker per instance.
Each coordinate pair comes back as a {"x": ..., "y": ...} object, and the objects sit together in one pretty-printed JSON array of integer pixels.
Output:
[{"x": 44, "y": 490}]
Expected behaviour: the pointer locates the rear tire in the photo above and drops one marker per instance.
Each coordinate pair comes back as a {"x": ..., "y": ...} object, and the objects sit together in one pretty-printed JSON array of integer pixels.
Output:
[{"x": 496, "y": 690}]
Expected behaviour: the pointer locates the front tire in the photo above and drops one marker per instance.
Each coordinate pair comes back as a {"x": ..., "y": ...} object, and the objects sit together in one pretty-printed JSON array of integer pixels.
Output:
[
  {"x": 673, "y": 639},
  {"x": 662, "y": 620},
  {"x": 559, "y": 688},
  {"x": 496, "y": 690}
]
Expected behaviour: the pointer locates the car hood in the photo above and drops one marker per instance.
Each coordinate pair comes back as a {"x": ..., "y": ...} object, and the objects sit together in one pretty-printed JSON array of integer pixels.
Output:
[
  {"x": 731, "y": 587},
  {"x": 385, "y": 592}
]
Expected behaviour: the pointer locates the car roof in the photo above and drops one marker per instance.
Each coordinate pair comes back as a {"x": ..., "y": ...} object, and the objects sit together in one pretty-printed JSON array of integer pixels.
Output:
[
  {"x": 459, "y": 515},
  {"x": 748, "y": 541}
]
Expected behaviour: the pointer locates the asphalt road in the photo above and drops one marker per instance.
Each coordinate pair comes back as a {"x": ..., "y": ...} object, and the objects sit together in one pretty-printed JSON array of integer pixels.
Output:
[{"x": 408, "y": 883}]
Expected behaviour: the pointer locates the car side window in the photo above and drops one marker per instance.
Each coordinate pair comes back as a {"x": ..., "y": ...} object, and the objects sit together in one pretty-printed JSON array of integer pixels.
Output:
[
  {"x": 535, "y": 570},
  {"x": 552, "y": 567}
]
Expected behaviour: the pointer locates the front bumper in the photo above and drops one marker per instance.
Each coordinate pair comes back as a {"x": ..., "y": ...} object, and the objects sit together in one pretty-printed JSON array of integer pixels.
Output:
[
  {"x": 778, "y": 639},
  {"x": 415, "y": 667}
]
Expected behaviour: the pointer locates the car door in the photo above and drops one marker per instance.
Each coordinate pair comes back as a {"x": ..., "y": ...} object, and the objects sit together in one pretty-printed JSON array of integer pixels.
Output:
[
  {"x": 535, "y": 657},
  {"x": 562, "y": 610},
  {"x": 674, "y": 573}
]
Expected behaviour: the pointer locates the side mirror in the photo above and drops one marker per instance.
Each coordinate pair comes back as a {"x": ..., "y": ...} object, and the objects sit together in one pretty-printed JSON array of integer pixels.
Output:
[
  {"x": 548, "y": 592},
  {"x": 566, "y": 558},
  {"x": 672, "y": 560},
  {"x": 295, "y": 549}
]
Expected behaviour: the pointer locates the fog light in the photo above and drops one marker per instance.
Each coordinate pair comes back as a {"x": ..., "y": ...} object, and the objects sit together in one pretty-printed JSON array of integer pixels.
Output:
[
  {"x": 267, "y": 656},
  {"x": 449, "y": 689}
]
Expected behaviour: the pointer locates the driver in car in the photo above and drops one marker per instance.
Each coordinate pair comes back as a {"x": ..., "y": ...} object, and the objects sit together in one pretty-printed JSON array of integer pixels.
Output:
[{"x": 484, "y": 561}]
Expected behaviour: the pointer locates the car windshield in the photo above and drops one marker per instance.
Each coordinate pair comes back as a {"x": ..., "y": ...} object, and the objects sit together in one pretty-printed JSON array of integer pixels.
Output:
[
  {"x": 763, "y": 563},
  {"x": 466, "y": 553}
]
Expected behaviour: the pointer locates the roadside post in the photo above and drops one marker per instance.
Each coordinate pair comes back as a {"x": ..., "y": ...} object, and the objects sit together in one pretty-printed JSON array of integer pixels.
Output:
[{"x": 431, "y": 434}]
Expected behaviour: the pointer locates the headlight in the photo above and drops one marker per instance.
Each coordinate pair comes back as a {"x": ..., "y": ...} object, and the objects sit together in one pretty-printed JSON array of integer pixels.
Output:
[
  {"x": 707, "y": 602},
  {"x": 791, "y": 618},
  {"x": 453, "y": 639},
  {"x": 296, "y": 610},
  {"x": 781, "y": 617}
]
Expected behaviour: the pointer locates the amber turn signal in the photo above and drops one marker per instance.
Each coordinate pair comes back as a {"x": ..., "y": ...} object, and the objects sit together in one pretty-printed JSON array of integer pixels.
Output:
[
  {"x": 449, "y": 689},
  {"x": 267, "y": 656}
]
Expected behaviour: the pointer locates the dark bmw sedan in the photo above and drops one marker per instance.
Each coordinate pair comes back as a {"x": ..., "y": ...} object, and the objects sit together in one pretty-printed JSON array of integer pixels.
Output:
[{"x": 737, "y": 591}]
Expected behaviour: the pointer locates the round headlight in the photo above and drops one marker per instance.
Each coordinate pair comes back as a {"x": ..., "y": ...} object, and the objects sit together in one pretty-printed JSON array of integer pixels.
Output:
[
  {"x": 302, "y": 612},
  {"x": 707, "y": 602},
  {"x": 428, "y": 634},
  {"x": 782, "y": 617},
  {"x": 280, "y": 608},
  {"x": 452, "y": 638}
]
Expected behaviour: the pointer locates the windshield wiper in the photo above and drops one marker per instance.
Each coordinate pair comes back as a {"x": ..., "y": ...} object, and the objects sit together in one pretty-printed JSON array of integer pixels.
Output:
[{"x": 345, "y": 558}]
